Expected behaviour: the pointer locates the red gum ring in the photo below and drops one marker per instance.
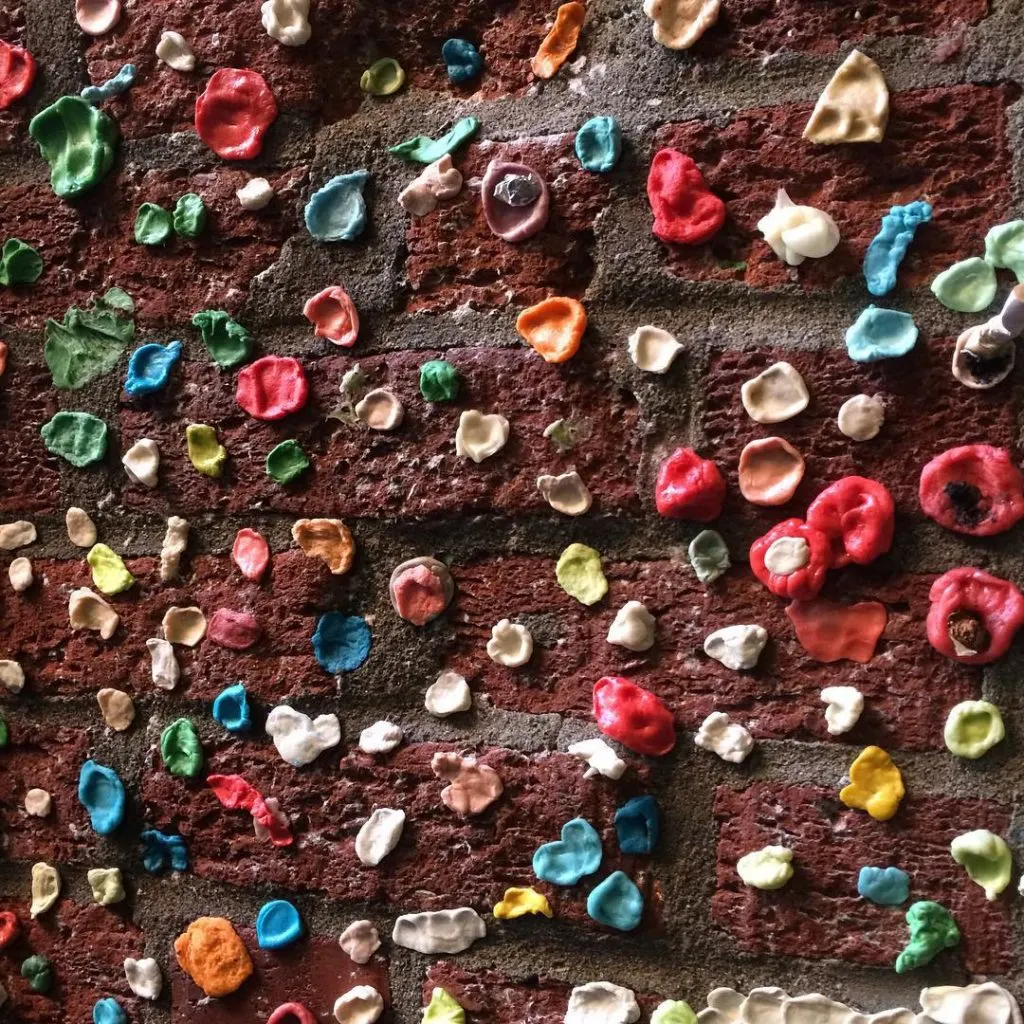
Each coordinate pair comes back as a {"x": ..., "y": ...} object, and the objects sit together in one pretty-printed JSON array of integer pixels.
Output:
[
  {"x": 17, "y": 73},
  {"x": 975, "y": 489},
  {"x": 291, "y": 1013},
  {"x": 805, "y": 583},
  {"x": 234, "y": 113},
  {"x": 634, "y": 716},
  {"x": 858, "y": 517},
  {"x": 689, "y": 487},
  {"x": 997, "y": 602}
]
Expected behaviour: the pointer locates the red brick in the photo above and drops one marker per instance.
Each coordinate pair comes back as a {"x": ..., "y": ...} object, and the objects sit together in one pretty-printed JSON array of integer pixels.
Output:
[
  {"x": 87, "y": 946},
  {"x": 34, "y": 628},
  {"x": 50, "y": 759},
  {"x": 320, "y": 79},
  {"x": 441, "y": 860},
  {"x": 29, "y": 478},
  {"x": 927, "y": 411},
  {"x": 909, "y": 687},
  {"x": 498, "y": 999},
  {"x": 412, "y": 471},
  {"x": 314, "y": 971},
  {"x": 454, "y": 258},
  {"x": 819, "y": 914},
  {"x": 947, "y": 145},
  {"x": 90, "y": 246},
  {"x": 752, "y": 28}
]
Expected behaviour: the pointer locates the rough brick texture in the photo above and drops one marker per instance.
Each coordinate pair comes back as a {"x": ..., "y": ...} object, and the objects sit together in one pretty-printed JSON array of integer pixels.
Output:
[
  {"x": 819, "y": 914},
  {"x": 168, "y": 283},
  {"x": 34, "y": 628},
  {"x": 947, "y": 145},
  {"x": 413, "y": 471},
  {"x": 330, "y": 800},
  {"x": 927, "y": 411},
  {"x": 906, "y": 702},
  {"x": 29, "y": 480},
  {"x": 455, "y": 259},
  {"x": 313, "y": 973},
  {"x": 87, "y": 946}
]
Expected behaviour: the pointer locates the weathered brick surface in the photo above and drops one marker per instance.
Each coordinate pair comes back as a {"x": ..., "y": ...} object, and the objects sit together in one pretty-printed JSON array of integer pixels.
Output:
[
  {"x": 909, "y": 687},
  {"x": 947, "y": 145},
  {"x": 927, "y": 411},
  {"x": 818, "y": 913},
  {"x": 314, "y": 972},
  {"x": 319, "y": 80},
  {"x": 29, "y": 479},
  {"x": 495, "y": 997},
  {"x": 751, "y": 28},
  {"x": 14, "y": 120},
  {"x": 87, "y": 946},
  {"x": 50, "y": 759},
  {"x": 88, "y": 247},
  {"x": 441, "y": 860},
  {"x": 412, "y": 471},
  {"x": 34, "y": 628},
  {"x": 453, "y": 258}
]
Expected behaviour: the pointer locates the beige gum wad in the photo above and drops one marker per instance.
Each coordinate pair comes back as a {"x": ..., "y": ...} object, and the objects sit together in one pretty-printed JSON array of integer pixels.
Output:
[
  {"x": 854, "y": 106},
  {"x": 678, "y": 24}
]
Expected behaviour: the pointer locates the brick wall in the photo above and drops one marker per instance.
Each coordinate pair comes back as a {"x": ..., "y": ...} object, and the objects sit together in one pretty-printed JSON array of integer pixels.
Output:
[{"x": 443, "y": 286}]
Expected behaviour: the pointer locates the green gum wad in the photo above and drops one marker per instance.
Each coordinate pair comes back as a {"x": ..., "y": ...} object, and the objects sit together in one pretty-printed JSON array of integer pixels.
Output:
[
  {"x": 227, "y": 342},
  {"x": 89, "y": 342},
  {"x": 973, "y": 728},
  {"x": 443, "y": 1009},
  {"x": 19, "y": 263},
  {"x": 79, "y": 437},
  {"x": 77, "y": 140},
  {"x": 986, "y": 858},
  {"x": 286, "y": 461},
  {"x": 580, "y": 575},
  {"x": 673, "y": 1011},
  {"x": 38, "y": 972},
  {"x": 709, "y": 555},
  {"x": 189, "y": 215},
  {"x": 383, "y": 77},
  {"x": 932, "y": 929},
  {"x": 152, "y": 225},
  {"x": 109, "y": 572},
  {"x": 181, "y": 750},
  {"x": 205, "y": 452}
]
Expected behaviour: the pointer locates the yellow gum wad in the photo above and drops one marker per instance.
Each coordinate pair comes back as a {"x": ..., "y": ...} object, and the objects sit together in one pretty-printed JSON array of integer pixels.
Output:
[
  {"x": 876, "y": 785},
  {"x": 854, "y": 106},
  {"x": 518, "y": 902}
]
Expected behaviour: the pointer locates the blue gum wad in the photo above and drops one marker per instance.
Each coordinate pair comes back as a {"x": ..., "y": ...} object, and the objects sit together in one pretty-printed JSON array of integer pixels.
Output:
[
  {"x": 567, "y": 860},
  {"x": 880, "y": 334},
  {"x": 101, "y": 793},
  {"x": 341, "y": 643},
  {"x": 424, "y": 150},
  {"x": 120, "y": 83},
  {"x": 77, "y": 140},
  {"x": 161, "y": 851},
  {"x": 108, "y": 1011},
  {"x": 462, "y": 59},
  {"x": 638, "y": 825},
  {"x": 599, "y": 144},
  {"x": 616, "y": 902},
  {"x": 231, "y": 709},
  {"x": 889, "y": 246},
  {"x": 337, "y": 212},
  {"x": 79, "y": 437},
  {"x": 149, "y": 368},
  {"x": 87, "y": 343},
  {"x": 886, "y": 886},
  {"x": 278, "y": 925},
  {"x": 932, "y": 929}
]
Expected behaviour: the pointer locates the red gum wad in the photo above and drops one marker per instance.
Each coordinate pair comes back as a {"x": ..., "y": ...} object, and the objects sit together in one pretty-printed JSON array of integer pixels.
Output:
[
  {"x": 975, "y": 489},
  {"x": 685, "y": 209},
  {"x": 689, "y": 487},
  {"x": 804, "y": 583},
  {"x": 858, "y": 517},
  {"x": 633, "y": 716},
  {"x": 996, "y": 603}
]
